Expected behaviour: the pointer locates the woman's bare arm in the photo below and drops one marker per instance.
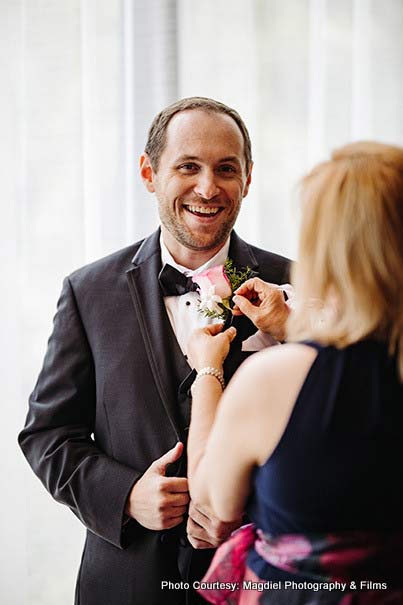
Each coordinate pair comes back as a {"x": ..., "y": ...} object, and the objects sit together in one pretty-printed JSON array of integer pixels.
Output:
[{"x": 230, "y": 436}]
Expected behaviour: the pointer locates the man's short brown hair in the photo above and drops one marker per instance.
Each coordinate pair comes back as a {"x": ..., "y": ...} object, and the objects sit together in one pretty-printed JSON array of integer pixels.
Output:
[{"x": 157, "y": 134}]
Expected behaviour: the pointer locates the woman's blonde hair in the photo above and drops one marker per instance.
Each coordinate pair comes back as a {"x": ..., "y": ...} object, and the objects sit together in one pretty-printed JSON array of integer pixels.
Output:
[{"x": 349, "y": 277}]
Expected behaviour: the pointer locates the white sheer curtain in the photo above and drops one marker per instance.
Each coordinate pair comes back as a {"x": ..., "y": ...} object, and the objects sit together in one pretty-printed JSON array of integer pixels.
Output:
[
  {"x": 81, "y": 81},
  {"x": 306, "y": 75}
]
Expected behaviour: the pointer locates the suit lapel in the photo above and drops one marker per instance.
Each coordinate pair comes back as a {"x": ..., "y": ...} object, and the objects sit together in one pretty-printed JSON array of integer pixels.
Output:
[
  {"x": 159, "y": 340},
  {"x": 242, "y": 256},
  {"x": 154, "y": 323}
]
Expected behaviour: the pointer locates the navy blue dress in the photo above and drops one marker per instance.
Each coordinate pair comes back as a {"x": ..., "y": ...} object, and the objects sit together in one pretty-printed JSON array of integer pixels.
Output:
[{"x": 339, "y": 464}]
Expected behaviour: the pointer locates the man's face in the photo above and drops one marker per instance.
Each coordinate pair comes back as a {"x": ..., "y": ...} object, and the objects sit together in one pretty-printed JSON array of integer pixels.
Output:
[{"x": 201, "y": 178}]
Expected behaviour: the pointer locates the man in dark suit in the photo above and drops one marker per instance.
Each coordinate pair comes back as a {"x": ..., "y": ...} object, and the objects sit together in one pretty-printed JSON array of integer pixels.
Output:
[{"x": 107, "y": 423}]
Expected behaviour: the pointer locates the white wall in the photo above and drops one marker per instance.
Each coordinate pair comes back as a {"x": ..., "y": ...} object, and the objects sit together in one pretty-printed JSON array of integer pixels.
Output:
[{"x": 81, "y": 81}]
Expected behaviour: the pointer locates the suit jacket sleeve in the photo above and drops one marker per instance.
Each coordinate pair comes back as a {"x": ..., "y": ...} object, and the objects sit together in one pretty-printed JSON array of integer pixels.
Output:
[{"x": 57, "y": 438}]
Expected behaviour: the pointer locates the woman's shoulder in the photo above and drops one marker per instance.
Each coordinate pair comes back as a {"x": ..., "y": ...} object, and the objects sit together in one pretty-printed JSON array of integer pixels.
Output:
[
  {"x": 286, "y": 357},
  {"x": 291, "y": 362}
]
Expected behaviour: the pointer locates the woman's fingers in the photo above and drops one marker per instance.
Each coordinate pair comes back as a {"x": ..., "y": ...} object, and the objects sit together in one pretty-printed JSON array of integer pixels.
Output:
[
  {"x": 245, "y": 307},
  {"x": 213, "y": 329},
  {"x": 254, "y": 284},
  {"x": 230, "y": 333},
  {"x": 209, "y": 346},
  {"x": 256, "y": 290}
]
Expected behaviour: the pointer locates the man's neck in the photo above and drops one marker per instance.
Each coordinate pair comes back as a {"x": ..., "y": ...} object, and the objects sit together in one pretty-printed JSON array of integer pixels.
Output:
[{"x": 191, "y": 259}]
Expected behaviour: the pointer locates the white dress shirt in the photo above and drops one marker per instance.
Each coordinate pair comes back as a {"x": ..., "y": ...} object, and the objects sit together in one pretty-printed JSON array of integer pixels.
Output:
[{"x": 183, "y": 310}]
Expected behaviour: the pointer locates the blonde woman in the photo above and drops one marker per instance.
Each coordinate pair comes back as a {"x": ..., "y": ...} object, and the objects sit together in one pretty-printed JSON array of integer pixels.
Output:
[{"x": 307, "y": 437}]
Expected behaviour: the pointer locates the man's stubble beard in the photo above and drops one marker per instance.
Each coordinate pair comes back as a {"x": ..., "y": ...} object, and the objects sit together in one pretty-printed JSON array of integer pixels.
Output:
[{"x": 186, "y": 238}]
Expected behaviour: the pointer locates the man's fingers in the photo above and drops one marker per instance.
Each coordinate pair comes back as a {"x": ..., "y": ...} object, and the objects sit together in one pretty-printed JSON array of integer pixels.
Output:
[
  {"x": 180, "y": 500},
  {"x": 173, "y": 499},
  {"x": 200, "y": 544},
  {"x": 171, "y": 516},
  {"x": 173, "y": 511},
  {"x": 175, "y": 485},
  {"x": 171, "y": 456},
  {"x": 172, "y": 522}
]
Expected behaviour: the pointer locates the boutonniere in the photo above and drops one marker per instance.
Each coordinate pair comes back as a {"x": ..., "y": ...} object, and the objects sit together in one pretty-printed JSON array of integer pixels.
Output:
[{"x": 216, "y": 286}]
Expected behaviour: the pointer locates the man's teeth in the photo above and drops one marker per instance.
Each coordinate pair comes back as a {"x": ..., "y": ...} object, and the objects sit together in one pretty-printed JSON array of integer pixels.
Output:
[{"x": 202, "y": 210}]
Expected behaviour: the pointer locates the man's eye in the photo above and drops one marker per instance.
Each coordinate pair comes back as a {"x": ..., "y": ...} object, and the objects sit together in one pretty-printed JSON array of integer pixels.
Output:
[
  {"x": 188, "y": 167},
  {"x": 227, "y": 169}
]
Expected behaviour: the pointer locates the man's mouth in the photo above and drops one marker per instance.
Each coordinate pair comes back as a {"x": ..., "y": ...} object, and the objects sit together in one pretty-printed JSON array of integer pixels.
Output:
[{"x": 203, "y": 211}]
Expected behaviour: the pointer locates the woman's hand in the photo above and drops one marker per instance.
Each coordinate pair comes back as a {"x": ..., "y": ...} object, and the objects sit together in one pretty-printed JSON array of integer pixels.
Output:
[
  {"x": 264, "y": 304},
  {"x": 209, "y": 346}
]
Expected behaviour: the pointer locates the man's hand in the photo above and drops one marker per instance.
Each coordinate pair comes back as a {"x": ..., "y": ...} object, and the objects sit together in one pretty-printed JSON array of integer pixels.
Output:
[
  {"x": 206, "y": 531},
  {"x": 156, "y": 501},
  {"x": 264, "y": 305}
]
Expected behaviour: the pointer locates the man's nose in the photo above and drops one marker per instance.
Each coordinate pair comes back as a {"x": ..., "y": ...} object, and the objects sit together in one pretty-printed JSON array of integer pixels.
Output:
[{"x": 206, "y": 186}]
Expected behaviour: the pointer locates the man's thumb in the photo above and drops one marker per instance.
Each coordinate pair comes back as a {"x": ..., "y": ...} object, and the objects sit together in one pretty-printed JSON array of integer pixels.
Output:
[
  {"x": 245, "y": 306},
  {"x": 171, "y": 456}
]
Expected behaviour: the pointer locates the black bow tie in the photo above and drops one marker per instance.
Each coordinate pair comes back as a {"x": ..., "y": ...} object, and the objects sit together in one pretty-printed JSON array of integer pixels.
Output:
[{"x": 175, "y": 283}]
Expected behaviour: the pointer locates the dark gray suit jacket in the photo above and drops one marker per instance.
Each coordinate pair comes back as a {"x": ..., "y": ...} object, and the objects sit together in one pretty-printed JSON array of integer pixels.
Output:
[{"x": 106, "y": 405}]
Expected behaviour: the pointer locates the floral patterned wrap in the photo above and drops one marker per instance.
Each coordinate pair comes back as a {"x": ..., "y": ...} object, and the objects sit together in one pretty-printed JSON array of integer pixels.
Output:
[{"x": 347, "y": 568}]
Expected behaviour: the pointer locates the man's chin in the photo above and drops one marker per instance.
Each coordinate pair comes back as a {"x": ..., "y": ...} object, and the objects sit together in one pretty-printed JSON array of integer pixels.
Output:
[
  {"x": 205, "y": 240},
  {"x": 200, "y": 241},
  {"x": 203, "y": 245}
]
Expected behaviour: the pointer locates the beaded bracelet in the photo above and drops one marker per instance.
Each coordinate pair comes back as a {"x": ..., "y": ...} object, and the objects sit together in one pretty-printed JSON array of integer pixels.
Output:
[{"x": 209, "y": 371}]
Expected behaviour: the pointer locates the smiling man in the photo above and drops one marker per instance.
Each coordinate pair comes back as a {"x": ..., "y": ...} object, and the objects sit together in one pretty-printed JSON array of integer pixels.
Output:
[
  {"x": 200, "y": 179},
  {"x": 107, "y": 426}
]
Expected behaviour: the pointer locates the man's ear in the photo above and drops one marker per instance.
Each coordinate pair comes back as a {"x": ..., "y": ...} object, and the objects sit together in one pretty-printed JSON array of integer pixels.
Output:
[
  {"x": 147, "y": 172},
  {"x": 248, "y": 181}
]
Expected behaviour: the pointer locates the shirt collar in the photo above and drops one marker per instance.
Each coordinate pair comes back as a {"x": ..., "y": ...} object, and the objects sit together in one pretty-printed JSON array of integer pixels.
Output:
[{"x": 218, "y": 259}]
